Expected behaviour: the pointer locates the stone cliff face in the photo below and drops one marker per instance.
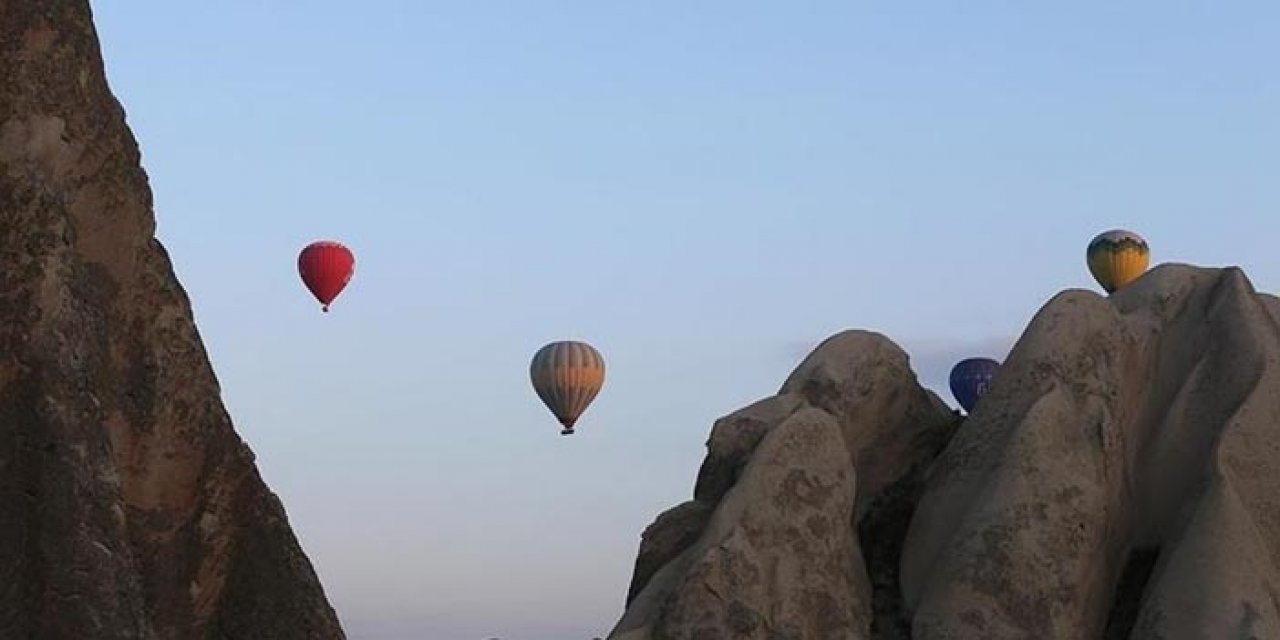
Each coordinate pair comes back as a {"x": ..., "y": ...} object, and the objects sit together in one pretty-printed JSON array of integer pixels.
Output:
[
  {"x": 1120, "y": 480},
  {"x": 129, "y": 508}
]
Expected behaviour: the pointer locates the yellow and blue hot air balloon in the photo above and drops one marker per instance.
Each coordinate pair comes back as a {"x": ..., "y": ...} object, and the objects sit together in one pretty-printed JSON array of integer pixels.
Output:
[
  {"x": 1117, "y": 257},
  {"x": 567, "y": 375}
]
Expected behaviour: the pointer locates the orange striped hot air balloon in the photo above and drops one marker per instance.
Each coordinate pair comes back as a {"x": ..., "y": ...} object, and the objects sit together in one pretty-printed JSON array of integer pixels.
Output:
[
  {"x": 1117, "y": 257},
  {"x": 567, "y": 375}
]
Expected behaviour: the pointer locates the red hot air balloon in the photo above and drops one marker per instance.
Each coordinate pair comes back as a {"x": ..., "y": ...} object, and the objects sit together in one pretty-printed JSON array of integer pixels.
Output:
[{"x": 326, "y": 268}]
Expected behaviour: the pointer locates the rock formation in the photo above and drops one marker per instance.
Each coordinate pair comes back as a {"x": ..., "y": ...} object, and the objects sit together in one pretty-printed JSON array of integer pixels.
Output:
[
  {"x": 769, "y": 546},
  {"x": 129, "y": 508},
  {"x": 1118, "y": 481},
  {"x": 1121, "y": 481}
]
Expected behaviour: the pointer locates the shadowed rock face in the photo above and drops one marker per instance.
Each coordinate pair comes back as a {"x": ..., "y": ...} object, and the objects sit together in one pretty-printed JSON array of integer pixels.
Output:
[
  {"x": 1119, "y": 481},
  {"x": 129, "y": 508}
]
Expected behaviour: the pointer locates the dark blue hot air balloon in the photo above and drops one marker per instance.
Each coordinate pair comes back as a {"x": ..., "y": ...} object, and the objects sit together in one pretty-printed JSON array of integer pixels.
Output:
[{"x": 970, "y": 378}]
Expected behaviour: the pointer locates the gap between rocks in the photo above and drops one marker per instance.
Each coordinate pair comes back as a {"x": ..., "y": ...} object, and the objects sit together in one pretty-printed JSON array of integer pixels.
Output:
[
  {"x": 1128, "y": 597},
  {"x": 882, "y": 533}
]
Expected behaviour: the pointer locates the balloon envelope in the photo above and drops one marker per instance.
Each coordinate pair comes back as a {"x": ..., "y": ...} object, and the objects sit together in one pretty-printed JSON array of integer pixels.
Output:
[
  {"x": 970, "y": 379},
  {"x": 567, "y": 375},
  {"x": 326, "y": 267},
  {"x": 1117, "y": 257}
]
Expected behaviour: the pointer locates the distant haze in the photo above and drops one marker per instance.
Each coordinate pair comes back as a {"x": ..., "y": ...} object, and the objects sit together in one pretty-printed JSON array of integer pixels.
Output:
[{"x": 702, "y": 192}]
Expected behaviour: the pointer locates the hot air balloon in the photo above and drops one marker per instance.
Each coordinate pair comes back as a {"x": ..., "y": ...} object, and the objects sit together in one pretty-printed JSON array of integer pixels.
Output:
[
  {"x": 970, "y": 379},
  {"x": 1117, "y": 257},
  {"x": 567, "y": 375},
  {"x": 326, "y": 268}
]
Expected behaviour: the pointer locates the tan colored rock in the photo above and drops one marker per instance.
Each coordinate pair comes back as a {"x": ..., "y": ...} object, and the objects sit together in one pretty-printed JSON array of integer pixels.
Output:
[
  {"x": 768, "y": 548},
  {"x": 1123, "y": 463},
  {"x": 129, "y": 508},
  {"x": 1217, "y": 580},
  {"x": 674, "y": 531},
  {"x": 778, "y": 558},
  {"x": 1120, "y": 480},
  {"x": 865, "y": 381}
]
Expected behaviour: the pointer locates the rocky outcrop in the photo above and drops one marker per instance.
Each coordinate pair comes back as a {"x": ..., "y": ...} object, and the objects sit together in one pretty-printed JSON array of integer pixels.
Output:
[
  {"x": 1119, "y": 480},
  {"x": 768, "y": 547},
  {"x": 129, "y": 508}
]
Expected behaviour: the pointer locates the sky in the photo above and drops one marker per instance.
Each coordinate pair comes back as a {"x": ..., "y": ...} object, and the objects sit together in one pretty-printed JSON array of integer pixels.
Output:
[{"x": 704, "y": 191}]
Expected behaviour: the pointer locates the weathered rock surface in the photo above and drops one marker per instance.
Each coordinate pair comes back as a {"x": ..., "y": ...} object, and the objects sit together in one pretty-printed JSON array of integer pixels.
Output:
[
  {"x": 768, "y": 547},
  {"x": 1121, "y": 479},
  {"x": 1136, "y": 436},
  {"x": 129, "y": 508}
]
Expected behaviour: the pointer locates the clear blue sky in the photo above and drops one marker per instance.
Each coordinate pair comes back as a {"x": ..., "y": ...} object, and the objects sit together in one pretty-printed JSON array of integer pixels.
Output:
[{"x": 702, "y": 190}]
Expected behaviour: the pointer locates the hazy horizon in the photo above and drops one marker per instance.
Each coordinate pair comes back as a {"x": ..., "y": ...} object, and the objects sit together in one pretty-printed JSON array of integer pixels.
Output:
[{"x": 702, "y": 192}]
